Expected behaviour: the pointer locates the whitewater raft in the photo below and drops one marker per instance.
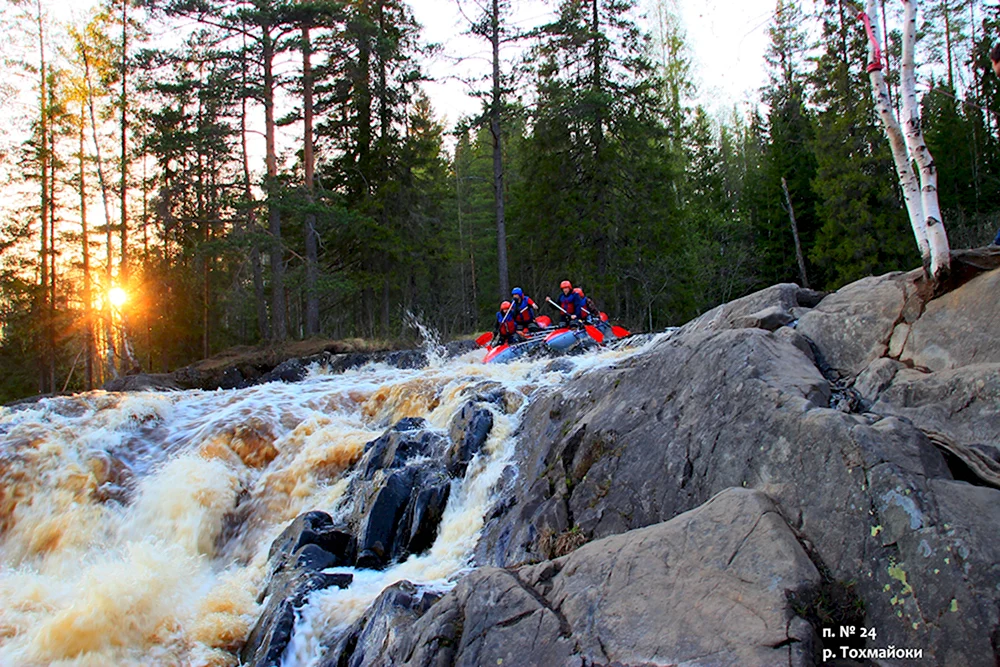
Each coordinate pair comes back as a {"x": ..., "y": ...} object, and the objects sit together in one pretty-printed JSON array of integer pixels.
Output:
[{"x": 555, "y": 341}]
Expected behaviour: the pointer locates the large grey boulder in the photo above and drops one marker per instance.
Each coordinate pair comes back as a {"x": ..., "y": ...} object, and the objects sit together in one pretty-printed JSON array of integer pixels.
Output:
[
  {"x": 663, "y": 432},
  {"x": 853, "y": 326},
  {"x": 769, "y": 309},
  {"x": 711, "y": 587},
  {"x": 960, "y": 328}
]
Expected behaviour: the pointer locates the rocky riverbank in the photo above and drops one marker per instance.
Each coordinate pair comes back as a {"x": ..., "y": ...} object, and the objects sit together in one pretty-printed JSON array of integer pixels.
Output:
[{"x": 781, "y": 469}]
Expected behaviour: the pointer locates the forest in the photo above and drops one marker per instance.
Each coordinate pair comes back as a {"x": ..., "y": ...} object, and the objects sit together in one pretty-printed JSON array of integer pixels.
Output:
[{"x": 142, "y": 230}]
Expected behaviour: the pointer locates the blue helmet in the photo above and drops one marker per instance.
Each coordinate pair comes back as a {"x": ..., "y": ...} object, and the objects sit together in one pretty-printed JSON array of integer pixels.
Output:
[{"x": 517, "y": 291}]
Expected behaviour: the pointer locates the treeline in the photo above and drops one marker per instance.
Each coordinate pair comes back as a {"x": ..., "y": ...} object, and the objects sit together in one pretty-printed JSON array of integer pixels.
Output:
[{"x": 145, "y": 171}]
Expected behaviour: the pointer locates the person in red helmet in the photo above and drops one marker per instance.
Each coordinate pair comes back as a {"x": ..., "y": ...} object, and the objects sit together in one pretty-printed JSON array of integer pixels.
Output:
[
  {"x": 590, "y": 311},
  {"x": 570, "y": 303},
  {"x": 506, "y": 327}
]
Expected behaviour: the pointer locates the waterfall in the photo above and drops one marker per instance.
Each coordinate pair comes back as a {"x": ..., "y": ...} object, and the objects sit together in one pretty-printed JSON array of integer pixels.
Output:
[{"x": 135, "y": 528}]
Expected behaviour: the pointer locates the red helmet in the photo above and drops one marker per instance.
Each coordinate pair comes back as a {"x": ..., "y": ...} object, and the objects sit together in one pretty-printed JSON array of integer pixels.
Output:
[
  {"x": 505, "y": 305},
  {"x": 578, "y": 290},
  {"x": 564, "y": 284}
]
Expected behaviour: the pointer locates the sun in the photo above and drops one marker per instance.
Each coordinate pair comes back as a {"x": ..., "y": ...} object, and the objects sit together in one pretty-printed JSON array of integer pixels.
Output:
[{"x": 117, "y": 297}]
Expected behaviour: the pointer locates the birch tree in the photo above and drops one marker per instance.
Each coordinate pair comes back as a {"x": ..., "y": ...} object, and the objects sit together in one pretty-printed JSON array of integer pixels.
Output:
[{"x": 907, "y": 142}]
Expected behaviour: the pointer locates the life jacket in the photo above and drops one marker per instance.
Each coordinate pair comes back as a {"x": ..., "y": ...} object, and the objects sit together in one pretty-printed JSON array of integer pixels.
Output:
[
  {"x": 570, "y": 303},
  {"x": 590, "y": 308},
  {"x": 524, "y": 312},
  {"x": 505, "y": 327}
]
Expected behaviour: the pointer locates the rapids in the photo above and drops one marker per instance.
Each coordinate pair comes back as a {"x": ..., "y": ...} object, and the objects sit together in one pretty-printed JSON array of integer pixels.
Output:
[{"x": 135, "y": 528}]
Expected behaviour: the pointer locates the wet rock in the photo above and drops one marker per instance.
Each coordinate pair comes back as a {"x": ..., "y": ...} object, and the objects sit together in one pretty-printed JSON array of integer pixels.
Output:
[
  {"x": 311, "y": 528},
  {"x": 231, "y": 379},
  {"x": 292, "y": 370},
  {"x": 390, "y": 617},
  {"x": 712, "y": 582},
  {"x": 296, "y": 562},
  {"x": 403, "y": 516},
  {"x": 400, "y": 494},
  {"x": 145, "y": 382},
  {"x": 468, "y": 432},
  {"x": 410, "y": 438}
]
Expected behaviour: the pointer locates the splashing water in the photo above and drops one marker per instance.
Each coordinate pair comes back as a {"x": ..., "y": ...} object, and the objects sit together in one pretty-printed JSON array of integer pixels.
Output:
[
  {"x": 435, "y": 352},
  {"x": 135, "y": 528}
]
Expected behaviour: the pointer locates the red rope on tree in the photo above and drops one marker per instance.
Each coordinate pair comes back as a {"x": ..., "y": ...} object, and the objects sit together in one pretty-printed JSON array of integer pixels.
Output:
[{"x": 876, "y": 65}]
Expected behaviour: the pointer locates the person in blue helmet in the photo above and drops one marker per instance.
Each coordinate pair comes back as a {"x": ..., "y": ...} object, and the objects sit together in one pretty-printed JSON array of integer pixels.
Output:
[{"x": 523, "y": 309}]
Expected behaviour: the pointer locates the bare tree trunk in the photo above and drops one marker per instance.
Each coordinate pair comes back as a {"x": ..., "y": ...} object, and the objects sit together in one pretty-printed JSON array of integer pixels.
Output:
[
  {"x": 795, "y": 235},
  {"x": 123, "y": 267},
  {"x": 43, "y": 154},
  {"x": 937, "y": 238},
  {"x": 88, "y": 303},
  {"x": 278, "y": 326},
  {"x": 311, "y": 242},
  {"x": 498, "y": 193},
  {"x": 51, "y": 320}
]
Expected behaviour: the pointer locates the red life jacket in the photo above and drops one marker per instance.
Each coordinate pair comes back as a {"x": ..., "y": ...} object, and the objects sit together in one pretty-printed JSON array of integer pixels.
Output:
[
  {"x": 525, "y": 311},
  {"x": 506, "y": 327},
  {"x": 568, "y": 302}
]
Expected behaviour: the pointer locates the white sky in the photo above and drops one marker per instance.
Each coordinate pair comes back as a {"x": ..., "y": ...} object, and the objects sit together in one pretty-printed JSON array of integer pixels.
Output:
[{"x": 727, "y": 39}]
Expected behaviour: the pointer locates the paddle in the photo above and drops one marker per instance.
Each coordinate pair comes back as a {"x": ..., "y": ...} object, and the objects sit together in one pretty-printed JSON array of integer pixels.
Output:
[
  {"x": 619, "y": 332},
  {"x": 591, "y": 330}
]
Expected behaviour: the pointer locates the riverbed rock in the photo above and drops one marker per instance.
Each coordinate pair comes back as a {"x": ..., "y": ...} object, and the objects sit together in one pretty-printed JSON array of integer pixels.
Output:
[
  {"x": 710, "y": 587},
  {"x": 400, "y": 494},
  {"x": 296, "y": 563},
  {"x": 468, "y": 432},
  {"x": 386, "y": 620}
]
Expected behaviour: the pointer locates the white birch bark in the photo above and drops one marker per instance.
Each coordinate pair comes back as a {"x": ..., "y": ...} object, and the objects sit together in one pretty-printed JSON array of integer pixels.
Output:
[
  {"x": 937, "y": 239},
  {"x": 904, "y": 167}
]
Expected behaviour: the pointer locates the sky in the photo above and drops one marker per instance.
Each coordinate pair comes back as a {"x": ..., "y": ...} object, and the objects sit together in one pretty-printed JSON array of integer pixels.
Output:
[{"x": 727, "y": 40}]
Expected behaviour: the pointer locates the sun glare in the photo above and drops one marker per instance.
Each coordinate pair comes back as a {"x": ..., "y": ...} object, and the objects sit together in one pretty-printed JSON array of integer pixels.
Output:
[{"x": 117, "y": 296}]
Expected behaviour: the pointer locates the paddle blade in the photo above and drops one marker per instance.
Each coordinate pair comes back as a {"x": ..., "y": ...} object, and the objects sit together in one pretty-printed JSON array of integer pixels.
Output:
[
  {"x": 595, "y": 333},
  {"x": 544, "y": 321},
  {"x": 620, "y": 332},
  {"x": 485, "y": 339}
]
